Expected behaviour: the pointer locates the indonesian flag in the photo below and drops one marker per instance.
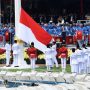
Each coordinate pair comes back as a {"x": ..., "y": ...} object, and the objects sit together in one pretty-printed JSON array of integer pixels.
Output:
[
  {"x": 30, "y": 31},
  {"x": 79, "y": 35}
]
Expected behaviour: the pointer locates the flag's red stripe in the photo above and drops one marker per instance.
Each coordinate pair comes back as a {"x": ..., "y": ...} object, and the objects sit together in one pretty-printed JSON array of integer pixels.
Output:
[{"x": 40, "y": 34}]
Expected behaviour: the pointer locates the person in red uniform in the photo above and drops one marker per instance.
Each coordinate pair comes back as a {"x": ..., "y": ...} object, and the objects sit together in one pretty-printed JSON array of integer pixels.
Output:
[
  {"x": 63, "y": 55},
  {"x": 80, "y": 37},
  {"x": 32, "y": 53}
]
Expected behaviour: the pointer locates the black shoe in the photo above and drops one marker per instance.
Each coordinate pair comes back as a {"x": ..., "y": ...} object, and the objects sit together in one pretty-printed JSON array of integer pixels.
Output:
[
  {"x": 33, "y": 84},
  {"x": 8, "y": 66},
  {"x": 16, "y": 66},
  {"x": 80, "y": 49}
]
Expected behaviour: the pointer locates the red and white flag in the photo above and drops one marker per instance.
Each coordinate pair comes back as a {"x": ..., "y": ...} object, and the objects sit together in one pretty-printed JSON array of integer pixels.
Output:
[{"x": 30, "y": 31}]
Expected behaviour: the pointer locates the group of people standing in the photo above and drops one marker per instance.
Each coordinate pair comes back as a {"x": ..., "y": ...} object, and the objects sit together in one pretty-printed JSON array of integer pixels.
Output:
[
  {"x": 51, "y": 54},
  {"x": 80, "y": 60},
  {"x": 17, "y": 51},
  {"x": 9, "y": 49}
]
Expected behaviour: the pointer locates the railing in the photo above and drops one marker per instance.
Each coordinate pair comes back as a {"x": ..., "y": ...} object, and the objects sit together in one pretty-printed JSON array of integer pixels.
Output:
[
  {"x": 83, "y": 21},
  {"x": 70, "y": 39}
]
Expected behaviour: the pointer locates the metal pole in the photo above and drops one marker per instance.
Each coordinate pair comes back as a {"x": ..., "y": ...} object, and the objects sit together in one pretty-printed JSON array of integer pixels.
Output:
[
  {"x": 10, "y": 12},
  {"x": 10, "y": 20},
  {"x": 17, "y": 4},
  {"x": 81, "y": 7},
  {"x": 0, "y": 11}
]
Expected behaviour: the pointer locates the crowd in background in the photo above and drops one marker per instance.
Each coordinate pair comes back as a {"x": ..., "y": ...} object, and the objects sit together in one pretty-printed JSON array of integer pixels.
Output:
[
  {"x": 70, "y": 29},
  {"x": 7, "y": 32},
  {"x": 54, "y": 25},
  {"x": 7, "y": 27}
]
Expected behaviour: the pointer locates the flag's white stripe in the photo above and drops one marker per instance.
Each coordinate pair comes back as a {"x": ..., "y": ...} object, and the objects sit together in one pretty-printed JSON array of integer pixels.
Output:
[{"x": 24, "y": 33}]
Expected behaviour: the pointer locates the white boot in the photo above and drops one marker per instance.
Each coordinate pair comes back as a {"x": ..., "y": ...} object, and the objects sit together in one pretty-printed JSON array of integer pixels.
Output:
[{"x": 63, "y": 70}]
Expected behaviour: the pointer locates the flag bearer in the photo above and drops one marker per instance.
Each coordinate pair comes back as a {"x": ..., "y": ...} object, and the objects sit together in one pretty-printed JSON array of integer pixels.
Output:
[
  {"x": 54, "y": 53},
  {"x": 32, "y": 53},
  {"x": 48, "y": 57},
  {"x": 63, "y": 54}
]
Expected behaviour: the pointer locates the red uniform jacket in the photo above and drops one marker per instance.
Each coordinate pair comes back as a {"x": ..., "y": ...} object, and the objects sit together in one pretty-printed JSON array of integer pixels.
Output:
[
  {"x": 2, "y": 51},
  {"x": 63, "y": 52},
  {"x": 32, "y": 52},
  {"x": 79, "y": 35}
]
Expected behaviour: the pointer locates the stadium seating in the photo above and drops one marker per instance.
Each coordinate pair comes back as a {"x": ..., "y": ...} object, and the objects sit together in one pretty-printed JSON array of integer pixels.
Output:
[
  {"x": 10, "y": 76},
  {"x": 87, "y": 78},
  {"x": 68, "y": 86},
  {"x": 54, "y": 30},
  {"x": 80, "y": 77},
  {"x": 43, "y": 80},
  {"x": 2, "y": 74},
  {"x": 25, "y": 76},
  {"x": 86, "y": 84},
  {"x": 58, "y": 77},
  {"x": 80, "y": 87},
  {"x": 69, "y": 78}
]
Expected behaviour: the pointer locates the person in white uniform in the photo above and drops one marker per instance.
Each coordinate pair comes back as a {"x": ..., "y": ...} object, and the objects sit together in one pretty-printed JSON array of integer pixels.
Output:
[
  {"x": 48, "y": 57},
  {"x": 79, "y": 59},
  {"x": 15, "y": 49},
  {"x": 21, "y": 61},
  {"x": 86, "y": 57},
  {"x": 8, "y": 52},
  {"x": 88, "y": 61},
  {"x": 54, "y": 53},
  {"x": 74, "y": 62}
]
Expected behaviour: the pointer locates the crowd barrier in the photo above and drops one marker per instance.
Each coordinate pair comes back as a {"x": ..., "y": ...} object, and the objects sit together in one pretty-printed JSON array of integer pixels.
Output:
[
  {"x": 83, "y": 21},
  {"x": 69, "y": 39}
]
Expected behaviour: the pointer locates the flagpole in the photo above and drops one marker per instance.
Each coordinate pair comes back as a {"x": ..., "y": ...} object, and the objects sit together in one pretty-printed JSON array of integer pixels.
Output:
[
  {"x": 10, "y": 12},
  {"x": 21, "y": 61},
  {"x": 81, "y": 7},
  {"x": 10, "y": 21},
  {"x": 0, "y": 11},
  {"x": 17, "y": 4}
]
